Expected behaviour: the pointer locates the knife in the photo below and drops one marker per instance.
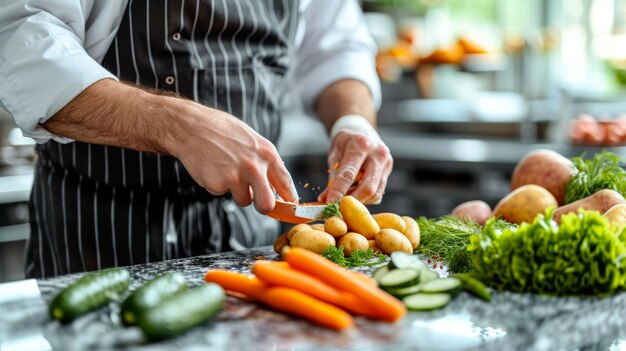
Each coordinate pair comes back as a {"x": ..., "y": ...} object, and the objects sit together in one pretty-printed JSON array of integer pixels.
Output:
[{"x": 297, "y": 213}]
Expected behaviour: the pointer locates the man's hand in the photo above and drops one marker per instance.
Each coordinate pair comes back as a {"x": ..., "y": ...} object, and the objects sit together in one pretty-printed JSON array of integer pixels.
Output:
[
  {"x": 220, "y": 152},
  {"x": 347, "y": 109},
  {"x": 223, "y": 154},
  {"x": 351, "y": 152}
]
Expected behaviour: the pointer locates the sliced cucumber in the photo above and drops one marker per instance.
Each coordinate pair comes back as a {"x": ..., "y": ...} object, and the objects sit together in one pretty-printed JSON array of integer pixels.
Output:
[
  {"x": 401, "y": 260},
  {"x": 426, "y": 302},
  {"x": 473, "y": 286},
  {"x": 399, "y": 278},
  {"x": 151, "y": 294},
  {"x": 379, "y": 273},
  {"x": 404, "y": 292},
  {"x": 428, "y": 275},
  {"x": 451, "y": 286}
]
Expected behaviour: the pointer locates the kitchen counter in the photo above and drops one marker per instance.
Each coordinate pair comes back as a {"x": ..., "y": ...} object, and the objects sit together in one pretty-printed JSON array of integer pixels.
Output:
[{"x": 509, "y": 322}]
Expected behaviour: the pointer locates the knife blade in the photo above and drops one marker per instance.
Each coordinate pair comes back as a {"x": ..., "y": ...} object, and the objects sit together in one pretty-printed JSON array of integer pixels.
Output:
[{"x": 297, "y": 213}]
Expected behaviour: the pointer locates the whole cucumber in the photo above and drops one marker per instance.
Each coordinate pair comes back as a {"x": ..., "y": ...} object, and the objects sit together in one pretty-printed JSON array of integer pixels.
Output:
[
  {"x": 151, "y": 294},
  {"x": 182, "y": 312},
  {"x": 473, "y": 286},
  {"x": 88, "y": 293}
]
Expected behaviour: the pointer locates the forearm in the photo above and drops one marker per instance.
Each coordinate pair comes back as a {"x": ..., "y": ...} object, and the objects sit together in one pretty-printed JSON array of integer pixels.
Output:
[
  {"x": 113, "y": 113},
  {"x": 345, "y": 97}
]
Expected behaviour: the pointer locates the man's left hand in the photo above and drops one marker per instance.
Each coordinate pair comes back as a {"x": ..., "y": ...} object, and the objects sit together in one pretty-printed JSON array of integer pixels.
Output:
[{"x": 354, "y": 150}]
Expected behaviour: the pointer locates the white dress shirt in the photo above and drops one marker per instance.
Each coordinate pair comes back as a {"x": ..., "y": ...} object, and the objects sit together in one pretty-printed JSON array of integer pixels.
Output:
[{"x": 50, "y": 51}]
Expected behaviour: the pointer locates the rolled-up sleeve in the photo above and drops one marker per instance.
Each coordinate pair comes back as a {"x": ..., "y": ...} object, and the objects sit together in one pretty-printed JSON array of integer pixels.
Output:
[
  {"x": 43, "y": 63},
  {"x": 336, "y": 44}
]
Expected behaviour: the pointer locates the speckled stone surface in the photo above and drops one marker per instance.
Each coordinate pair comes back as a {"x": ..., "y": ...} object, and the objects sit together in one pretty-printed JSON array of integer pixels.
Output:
[{"x": 509, "y": 322}]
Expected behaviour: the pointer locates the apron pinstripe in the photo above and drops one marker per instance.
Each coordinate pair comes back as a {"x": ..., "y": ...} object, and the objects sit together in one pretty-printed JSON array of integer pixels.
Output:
[{"x": 96, "y": 206}]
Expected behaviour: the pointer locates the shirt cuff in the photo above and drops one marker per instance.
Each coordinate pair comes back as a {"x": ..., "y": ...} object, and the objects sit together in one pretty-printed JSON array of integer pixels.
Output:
[
  {"x": 342, "y": 66},
  {"x": 40, "y": 79}
]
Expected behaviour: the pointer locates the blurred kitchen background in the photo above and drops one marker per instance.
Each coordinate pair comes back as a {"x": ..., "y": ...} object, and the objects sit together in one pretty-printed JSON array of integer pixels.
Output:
[{"x": 469, "y": 86}]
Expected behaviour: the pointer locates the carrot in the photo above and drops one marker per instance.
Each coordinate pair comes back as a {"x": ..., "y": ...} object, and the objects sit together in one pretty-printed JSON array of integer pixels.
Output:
[
  {"x": 365, "y": 278},
  {"x": 247, "y": 285},
  {"x": 389, "y": 308},
  {"x": 302, "y": 305},
  {"x": 276, "y": 275}
]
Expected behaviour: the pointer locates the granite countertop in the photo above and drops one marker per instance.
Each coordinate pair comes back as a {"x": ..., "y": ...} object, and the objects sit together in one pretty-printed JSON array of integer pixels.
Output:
[{"x": 509, "y": 322}]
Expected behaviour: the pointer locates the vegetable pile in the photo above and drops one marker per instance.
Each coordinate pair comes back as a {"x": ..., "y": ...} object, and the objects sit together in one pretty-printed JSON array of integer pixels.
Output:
[
  {"x": 311, "y": 287},
  {"x": 356, "y": 234},
  {"x": 585, "y": 254}
]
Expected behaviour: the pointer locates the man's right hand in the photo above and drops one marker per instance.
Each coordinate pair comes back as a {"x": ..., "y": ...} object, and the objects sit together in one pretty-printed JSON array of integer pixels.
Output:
[
  {"x": 223, "y": 154},
  {"x": 219, "y": 151}
]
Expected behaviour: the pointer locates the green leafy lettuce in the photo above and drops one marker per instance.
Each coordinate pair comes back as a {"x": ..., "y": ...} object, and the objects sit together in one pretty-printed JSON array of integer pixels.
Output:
[{"x": 585, "y": 255}]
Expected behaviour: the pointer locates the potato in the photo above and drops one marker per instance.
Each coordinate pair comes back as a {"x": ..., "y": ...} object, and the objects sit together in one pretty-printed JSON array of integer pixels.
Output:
[
  {"x": 524, "y": 203},
  {"x": 351, "y": 242},
  {"x": 296, "y": 228},
  {"x": 312, "y": 240},
  {"x": 335, "y": 226},
  {"x": 390, "y": 240},
  {"x": 545, "y": 168},
  {"x": 390, "y": 220},
  {"x": 601, "y": 201},
  {"x": 412, "y": 231},
  {"x": 617, "y": 214},
  {"x": 280, "y": 243},
  {"x": 372, "y": 245},
  {"x": 476, "y": 210},
  {"x": 318, "y": 226},
  {"x": 357, "y": 217}
]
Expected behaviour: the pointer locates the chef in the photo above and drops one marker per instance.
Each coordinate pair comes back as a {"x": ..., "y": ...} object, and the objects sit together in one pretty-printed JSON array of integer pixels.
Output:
[{"x": 156, "y": 120}]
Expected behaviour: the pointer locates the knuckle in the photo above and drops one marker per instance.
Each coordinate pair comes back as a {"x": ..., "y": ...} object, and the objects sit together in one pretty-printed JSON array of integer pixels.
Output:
[
  {"x": 362, "y": 140},
  {"x": 383, "y": 152},
  {"x": 369, "y": 190},
  {"x": 347, "y": 173},
  {"x": 250, "y": 166}
]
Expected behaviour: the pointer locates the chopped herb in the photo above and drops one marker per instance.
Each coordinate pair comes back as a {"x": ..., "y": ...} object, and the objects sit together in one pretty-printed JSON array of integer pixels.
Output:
[
  {"x": 359, "y": 257},
  {"x": 603, "y": 172},
  {"x": 332, "y": 209}
]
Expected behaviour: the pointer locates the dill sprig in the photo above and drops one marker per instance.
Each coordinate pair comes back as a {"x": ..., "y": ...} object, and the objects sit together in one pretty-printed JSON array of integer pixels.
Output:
[
  {"x": 446, "y": 238},
  {"x": 358, "y": 258},
  {"x": 332, "y": 209},
  {"x": 602, "y": 172}
]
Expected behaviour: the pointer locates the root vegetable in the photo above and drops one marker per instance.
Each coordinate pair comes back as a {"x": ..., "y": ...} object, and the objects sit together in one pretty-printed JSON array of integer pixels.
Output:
[
  {"x": 476, "y": 210},
  {"x": 524, "y": 203},
  {"x": 296, "y": 228},
  {"x": 412, "y": 231},
  {"x": 312, "y": 240},
  {"x": 335, "y": 226},
  {"x": 545, "y": 168},
  {"x": 357, "y": 217},
  {"x": 390, "y": 240},
  {"x": 600, "y": 201},
  {"x": 280, "y": 243},
  {"x": 351, "y": 242},
  {"x": 617, "y": 214},
  {"x": 390, "y": 220}
]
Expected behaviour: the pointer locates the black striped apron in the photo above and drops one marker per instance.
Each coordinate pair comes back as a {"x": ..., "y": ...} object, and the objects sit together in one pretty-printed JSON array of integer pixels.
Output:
[{"x": 96, "y": 206}]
